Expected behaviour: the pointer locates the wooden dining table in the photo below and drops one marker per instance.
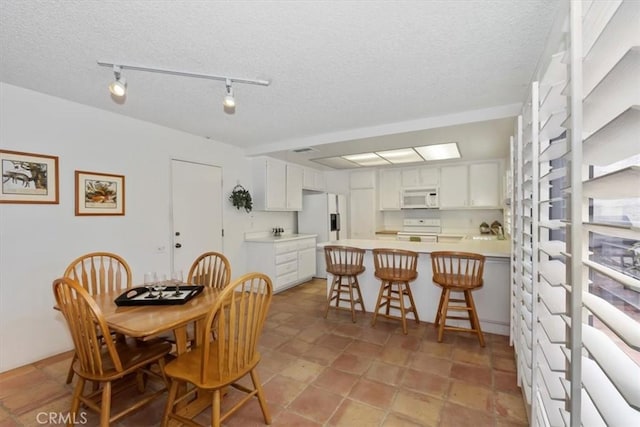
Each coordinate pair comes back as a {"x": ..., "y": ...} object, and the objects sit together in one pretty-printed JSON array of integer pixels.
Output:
[{"x": 146, "y": 321}]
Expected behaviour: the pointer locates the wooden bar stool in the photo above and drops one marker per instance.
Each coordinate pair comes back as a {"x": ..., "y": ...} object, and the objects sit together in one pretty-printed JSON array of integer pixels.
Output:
[
  {"x": 344, "y": 262},
  {"x": 395, "y": 268},
  {"x": 457, "y": 272}
]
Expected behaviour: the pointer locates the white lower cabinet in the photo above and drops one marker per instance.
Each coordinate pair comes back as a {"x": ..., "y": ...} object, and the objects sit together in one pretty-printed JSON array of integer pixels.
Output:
[{"x": 287, "y": 263}]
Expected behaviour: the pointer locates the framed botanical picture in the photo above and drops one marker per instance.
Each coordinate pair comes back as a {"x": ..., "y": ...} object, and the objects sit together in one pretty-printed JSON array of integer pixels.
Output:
[
  {"x": 28, "y": 178},
  {"x": 99, "y": 193}
]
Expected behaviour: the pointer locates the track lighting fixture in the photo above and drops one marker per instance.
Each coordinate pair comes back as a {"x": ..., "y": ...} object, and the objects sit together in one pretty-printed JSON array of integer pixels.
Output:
[
  {"x": 119, "y": 86},
  {"x": 229, "y": 101}
]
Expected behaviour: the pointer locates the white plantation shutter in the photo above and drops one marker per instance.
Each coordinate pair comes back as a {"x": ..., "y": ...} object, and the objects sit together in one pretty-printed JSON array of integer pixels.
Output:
[{"x": 576, "y": 231}]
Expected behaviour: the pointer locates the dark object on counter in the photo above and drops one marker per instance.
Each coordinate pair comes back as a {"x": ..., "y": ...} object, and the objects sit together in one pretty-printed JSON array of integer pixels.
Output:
[
  {"x": 277, "y": 231},
  {"x": 484, "y": 228}
]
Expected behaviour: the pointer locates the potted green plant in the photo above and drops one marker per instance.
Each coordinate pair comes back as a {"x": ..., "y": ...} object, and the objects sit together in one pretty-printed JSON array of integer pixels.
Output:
[{"x": 241, "y": 198}]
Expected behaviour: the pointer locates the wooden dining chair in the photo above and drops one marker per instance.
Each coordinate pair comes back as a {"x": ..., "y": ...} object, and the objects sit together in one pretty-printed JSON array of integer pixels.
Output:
[
  {"x": 459, "y": 272},
  {"x": 98, "y": 273},
  {"x": 210, "y": 269},
  {"x": 100, "y": 358},
  {"x": 237, "y": 319}
]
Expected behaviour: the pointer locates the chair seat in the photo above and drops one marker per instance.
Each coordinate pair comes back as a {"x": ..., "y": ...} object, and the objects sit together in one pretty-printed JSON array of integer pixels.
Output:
[
  {"x": 396, "y": 274},
  {"x": 187, "y": 368},
  {"x": 455, "y": 281},
  {"x": 345, "y": 269},
  {"x": 133, "y": 355}
]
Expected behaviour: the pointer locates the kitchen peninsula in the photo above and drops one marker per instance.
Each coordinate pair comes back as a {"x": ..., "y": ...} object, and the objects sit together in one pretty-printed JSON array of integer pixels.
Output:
[{"x": 492, "y": 300}]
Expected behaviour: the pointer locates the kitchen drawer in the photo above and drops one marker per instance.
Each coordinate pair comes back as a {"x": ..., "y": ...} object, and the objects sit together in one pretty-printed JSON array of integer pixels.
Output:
[
  {"x": 287, "y": 268},
  {"x": 286, "y": 279},
  {"x": 285, "y": 247},
  {"x": 306, "y": 243},
  {"x": 291, "y": 256}
]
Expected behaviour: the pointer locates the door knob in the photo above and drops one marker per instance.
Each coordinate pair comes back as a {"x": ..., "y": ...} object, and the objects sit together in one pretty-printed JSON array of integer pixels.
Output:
[{"x": 178, "y": 245}]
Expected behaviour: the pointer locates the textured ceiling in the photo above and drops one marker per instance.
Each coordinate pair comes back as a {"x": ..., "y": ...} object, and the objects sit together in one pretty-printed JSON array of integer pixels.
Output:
[{"x": 340, "y": 70}]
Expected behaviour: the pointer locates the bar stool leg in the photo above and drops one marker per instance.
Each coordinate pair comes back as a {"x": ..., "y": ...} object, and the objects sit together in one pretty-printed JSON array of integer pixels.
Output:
[
  {"x": 443, "y": 313},
  {"x": 351, "y": 302},
  {"x": 333, "y": 291},
  {"x": 438, "y": 313},
  {"x": 407, "y": 287},
  {"x": 360, "y": 300},
  {"x": 474, "y": 315},
  {"x": 375, "y": 312},
  {"x": 403, "y": 315}
]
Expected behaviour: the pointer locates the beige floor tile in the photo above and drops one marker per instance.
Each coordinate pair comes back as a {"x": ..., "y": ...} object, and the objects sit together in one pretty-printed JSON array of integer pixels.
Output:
[
  {"x": 418, "y": 407},
  {"x": 373, "y": 393},
  {"x": 395, "y": 420},
  {"x": 352, "y": 413},
  {"x": 336, "y": 381},
  {"x": 302, "y": 370},
  {"x": 471, "y": 396},
  {"x": 364, "y": 348},
  {"x": 473, "y": 356},
  {"x": 426, "y": 382},
  {"x": 481, "y": 375},
  {"x": 295, "y": 347},
  {"x": 352, "y": 363},
  {"x": 458, "y": 416},
  {"x": 292, "y": 419},
  {"x": 510, "y": 406},
  {"x": 282, "y": 390},
  {"x": 316, "y": 404},
  {"x": 385, "y": 373},
  {"x": 425, "y": 362}
]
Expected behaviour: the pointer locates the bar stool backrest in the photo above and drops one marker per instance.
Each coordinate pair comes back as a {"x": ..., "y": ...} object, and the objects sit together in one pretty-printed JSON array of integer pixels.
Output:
[
  {"x": 398, "y": 264},
  {"x": 344, "y": 260},
  {"x": 462, "y": 270}
]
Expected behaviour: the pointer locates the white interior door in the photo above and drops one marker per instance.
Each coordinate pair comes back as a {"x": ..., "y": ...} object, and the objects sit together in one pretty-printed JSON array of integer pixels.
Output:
[{"x": 196, "y": 191}]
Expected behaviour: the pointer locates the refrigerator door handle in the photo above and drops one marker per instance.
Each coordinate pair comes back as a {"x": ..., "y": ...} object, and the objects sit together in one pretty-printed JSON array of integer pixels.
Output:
[{"x": 338, "y": 222}]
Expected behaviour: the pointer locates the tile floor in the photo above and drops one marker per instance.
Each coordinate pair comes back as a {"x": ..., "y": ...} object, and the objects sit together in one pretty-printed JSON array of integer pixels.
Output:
[{"x": 327, "y": 372}]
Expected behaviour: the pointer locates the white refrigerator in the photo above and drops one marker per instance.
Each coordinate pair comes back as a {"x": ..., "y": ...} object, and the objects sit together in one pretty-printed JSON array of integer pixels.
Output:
[{"x": 324, "y": 214}]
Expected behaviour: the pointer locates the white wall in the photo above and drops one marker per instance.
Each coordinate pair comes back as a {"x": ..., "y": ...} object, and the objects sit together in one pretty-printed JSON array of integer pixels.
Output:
[{"x": 38, "y": 241}]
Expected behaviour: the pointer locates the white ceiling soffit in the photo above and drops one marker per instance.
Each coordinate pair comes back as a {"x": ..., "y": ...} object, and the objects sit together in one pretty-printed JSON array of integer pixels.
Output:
[{"x": 334, "y": 66}]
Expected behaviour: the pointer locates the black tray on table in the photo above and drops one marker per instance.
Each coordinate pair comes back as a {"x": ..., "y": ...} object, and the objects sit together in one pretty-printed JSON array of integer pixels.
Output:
[{"x": 138, "y": 296}]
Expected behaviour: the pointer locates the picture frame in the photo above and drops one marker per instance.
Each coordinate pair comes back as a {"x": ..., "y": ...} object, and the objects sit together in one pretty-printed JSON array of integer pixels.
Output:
[
  {"x": 28, "y": 178},
  {"x": 99, "y": 193}
]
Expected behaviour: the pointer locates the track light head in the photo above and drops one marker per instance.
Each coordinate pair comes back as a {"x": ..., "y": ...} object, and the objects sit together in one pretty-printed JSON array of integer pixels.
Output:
[
  {"x": 119, "y": 86},
  {"x": 229, "y": 101}
]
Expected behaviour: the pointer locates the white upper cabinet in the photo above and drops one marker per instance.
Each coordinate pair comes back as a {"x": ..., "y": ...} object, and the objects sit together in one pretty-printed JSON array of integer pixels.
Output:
[
  {"x": 313, "y": 179},
  {"x": 420, "y": 177},
  {"x": 294, "y": 187},
  {"x": 472, "y": 186},
  {"x": 485, "y": 185},
  {"x": 389, "y": 189},
  {"x": 277, "y": 185},
  {"x": 454, "y": 186}
]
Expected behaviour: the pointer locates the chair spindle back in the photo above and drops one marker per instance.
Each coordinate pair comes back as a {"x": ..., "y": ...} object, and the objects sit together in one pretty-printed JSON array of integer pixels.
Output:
[{"x": 210, "y": 269}]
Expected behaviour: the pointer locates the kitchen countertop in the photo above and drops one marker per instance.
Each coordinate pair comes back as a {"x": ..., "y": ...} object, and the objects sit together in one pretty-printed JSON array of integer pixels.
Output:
[
  {"x": 269, "y": 238},
  {"x": 489, "y": 248}
]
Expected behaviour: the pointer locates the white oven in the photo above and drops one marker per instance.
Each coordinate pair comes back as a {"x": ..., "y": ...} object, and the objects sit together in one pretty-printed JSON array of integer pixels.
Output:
[{"x": 420, "y": 230}]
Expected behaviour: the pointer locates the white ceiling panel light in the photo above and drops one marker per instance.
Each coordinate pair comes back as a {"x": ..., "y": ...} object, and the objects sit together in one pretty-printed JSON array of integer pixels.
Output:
[
  {"x": 402, "y": 155},
  {"x": 366, "y": 159},
  {"x": 335, "y": 162},
  {"x": 439, "y": 151}
]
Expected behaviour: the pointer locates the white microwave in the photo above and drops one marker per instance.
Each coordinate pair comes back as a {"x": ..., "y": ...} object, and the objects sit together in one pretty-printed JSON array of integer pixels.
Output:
[{"x": 419, "y": 198}]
